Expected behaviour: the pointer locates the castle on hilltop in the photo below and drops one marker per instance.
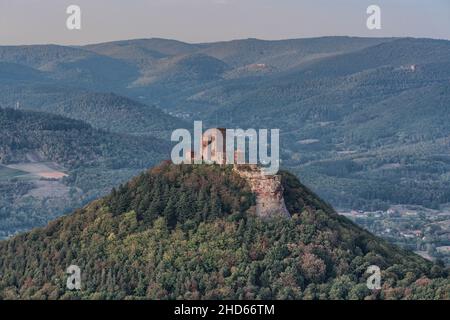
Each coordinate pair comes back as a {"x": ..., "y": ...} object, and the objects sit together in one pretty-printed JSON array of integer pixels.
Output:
[
  {"x": 214, "y": 143},
  {"x": 267, "y": 188}
]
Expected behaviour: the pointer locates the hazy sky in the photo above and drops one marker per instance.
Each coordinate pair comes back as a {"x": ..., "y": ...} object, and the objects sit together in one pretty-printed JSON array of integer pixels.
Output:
[{"x": 44, "y": 21}]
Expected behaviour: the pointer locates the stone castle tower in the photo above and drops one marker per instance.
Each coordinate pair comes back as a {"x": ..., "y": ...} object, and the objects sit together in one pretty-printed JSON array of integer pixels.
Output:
[{"x": 211, "y": 149}]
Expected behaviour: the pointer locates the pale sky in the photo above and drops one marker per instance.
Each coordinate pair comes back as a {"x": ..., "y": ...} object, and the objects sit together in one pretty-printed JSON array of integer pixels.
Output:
[{"x": 44, "y": 21}]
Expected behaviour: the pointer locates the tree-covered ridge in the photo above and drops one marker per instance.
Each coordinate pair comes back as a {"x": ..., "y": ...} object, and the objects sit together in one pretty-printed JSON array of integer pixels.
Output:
[
  {"x": 71, "y": 142},
  {"x": 182, "y": 194},
  {"x": 202, "y": 241},
  {"x": 94, "y": 161},
  {"x": 106, "y": 111}
]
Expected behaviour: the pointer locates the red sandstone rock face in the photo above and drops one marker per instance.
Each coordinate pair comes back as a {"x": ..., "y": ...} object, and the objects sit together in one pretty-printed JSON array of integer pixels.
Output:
[{"x": 268, "y": 190}]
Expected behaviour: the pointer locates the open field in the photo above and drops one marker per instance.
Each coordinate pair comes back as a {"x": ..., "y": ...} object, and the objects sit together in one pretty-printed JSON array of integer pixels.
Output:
[{"x": 46, "y": 170}]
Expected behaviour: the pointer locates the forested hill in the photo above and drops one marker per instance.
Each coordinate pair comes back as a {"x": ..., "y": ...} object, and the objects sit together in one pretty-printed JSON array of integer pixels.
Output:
[
  {"x": 72, "y": 143},
  {"x": 189, "y": 232},
  {"x": 106, "y": 111}
]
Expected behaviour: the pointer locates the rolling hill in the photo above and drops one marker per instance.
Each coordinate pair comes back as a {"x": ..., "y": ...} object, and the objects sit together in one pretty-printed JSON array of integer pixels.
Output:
[
  {"x": 105, "y": 111},
  {"x": 74, "y": 66}
]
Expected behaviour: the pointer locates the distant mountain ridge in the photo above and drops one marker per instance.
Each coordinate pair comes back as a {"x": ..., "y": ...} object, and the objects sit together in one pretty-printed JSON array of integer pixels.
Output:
[
  {"x": 73, "y": 66},
  {"x": 102, "y": 110}
]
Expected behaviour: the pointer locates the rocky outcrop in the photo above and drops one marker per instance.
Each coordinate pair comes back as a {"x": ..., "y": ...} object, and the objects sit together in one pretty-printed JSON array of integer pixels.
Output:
[{"x": 268, "y": 190}]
